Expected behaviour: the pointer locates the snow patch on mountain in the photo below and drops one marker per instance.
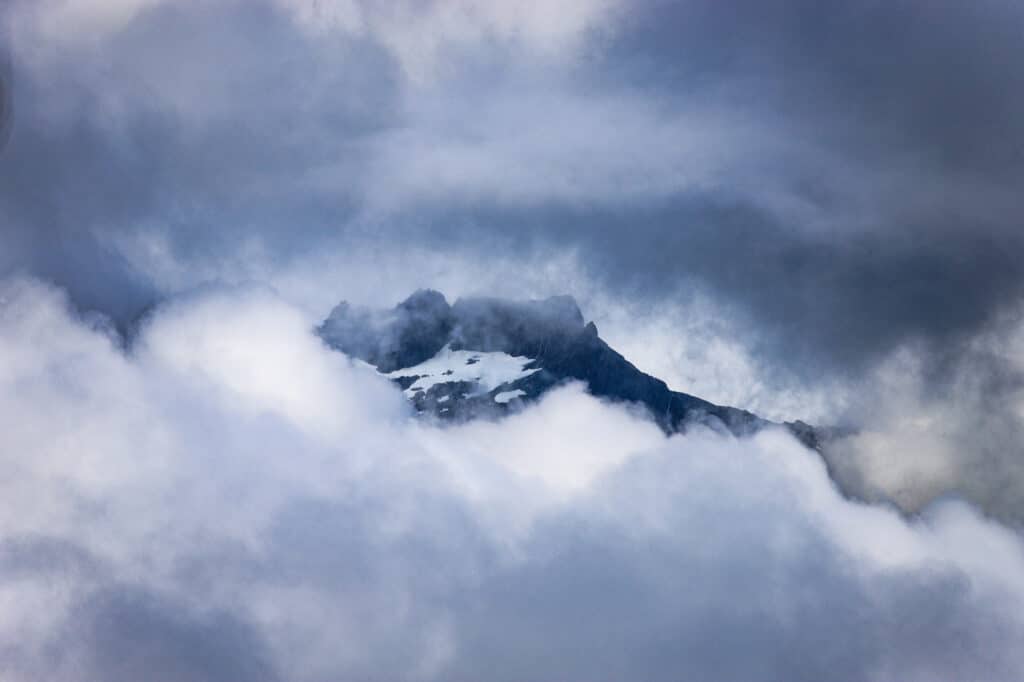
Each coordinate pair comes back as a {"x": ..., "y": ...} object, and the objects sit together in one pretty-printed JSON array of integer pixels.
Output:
[
  {"x": 488, "y": 370},
  {"x": 506, "y": 396}
]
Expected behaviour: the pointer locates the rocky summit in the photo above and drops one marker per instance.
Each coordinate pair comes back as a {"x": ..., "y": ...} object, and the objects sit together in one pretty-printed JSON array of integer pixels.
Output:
[{"x": 487, "y": 356}]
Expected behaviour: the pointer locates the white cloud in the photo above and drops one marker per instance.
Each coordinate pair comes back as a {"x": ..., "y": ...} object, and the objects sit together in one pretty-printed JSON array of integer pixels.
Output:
[
  {"x": 75, "y": 23},
  {"x": 423, "y": 34},
  {"x": 923, "y": 437},
  {"x": 224, "y": 342},
  {"x": 228, "y": 485}
]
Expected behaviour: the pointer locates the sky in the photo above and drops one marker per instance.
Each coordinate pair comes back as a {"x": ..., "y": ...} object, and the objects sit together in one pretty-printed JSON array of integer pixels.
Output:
[{"x": 805, "y": 209}]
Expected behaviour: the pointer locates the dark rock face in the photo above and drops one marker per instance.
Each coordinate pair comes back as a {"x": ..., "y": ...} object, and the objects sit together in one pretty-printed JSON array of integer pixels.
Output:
[
  {"x": 550, "y": 335},
  {"x": 515, "y": 327},
  {"x": 414, "y": 331}
]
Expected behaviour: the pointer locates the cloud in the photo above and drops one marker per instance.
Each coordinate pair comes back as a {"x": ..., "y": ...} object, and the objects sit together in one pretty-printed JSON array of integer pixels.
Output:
[
  {"x": 811, "y": 206},
  {"x": 125, "y": 634},
  {"x": 767, "y": 156},
  {"x": 424, "y": 36},
  {"x": 177, "y": 515},
  {"x": 837, "y": 203},
  {"x": 934, "y": 433}
]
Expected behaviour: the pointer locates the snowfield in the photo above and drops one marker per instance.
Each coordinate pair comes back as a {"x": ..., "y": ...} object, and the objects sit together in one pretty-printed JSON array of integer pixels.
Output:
[{"x": 488, "y": 370}]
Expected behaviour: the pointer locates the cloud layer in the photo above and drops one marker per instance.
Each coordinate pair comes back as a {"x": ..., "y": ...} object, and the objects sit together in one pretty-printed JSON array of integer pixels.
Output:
[
  {"x": 807, "y": 209},
  {"x": 231, "y": 500},
  {"x": 807, "y": 165}
]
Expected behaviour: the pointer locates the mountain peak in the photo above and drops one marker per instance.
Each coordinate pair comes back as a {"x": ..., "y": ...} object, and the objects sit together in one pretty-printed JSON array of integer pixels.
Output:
[
  {"x": 485, "y": 356},
  {"x": 426, "y": 300},
  {"x": 413, "y": 331}
]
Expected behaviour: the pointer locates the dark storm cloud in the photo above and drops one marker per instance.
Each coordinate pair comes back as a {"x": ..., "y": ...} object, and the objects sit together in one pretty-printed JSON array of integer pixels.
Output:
[
  {"x": 817, "y": 300},
  {"x": 916, "y": 111},
  {"x": 933, "y": 79},
  {"x": 840, "y": 179},
  {"x": 901, "y": 144},
  {"x": 904, "y": 151},
  {"x": 197, "y": 122}
]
